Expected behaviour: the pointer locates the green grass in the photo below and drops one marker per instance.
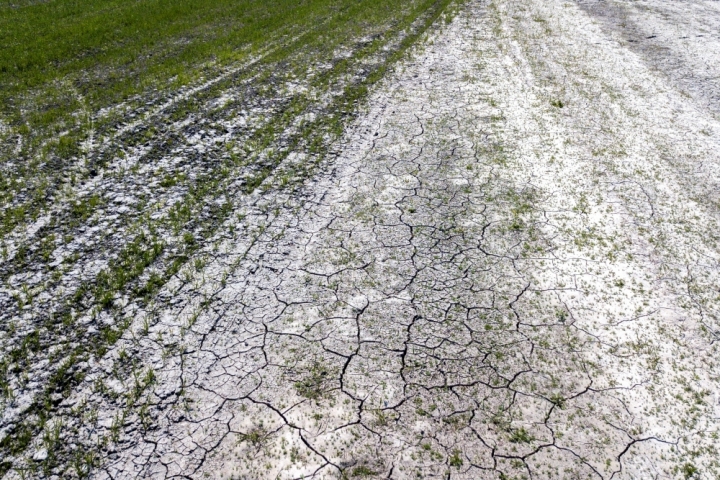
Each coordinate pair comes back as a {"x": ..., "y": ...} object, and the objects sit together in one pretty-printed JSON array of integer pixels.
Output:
[
  {"x": 62, "y": 56},
  {"x": 111, "y": 49},
  {"x": 64, "y": 61}
]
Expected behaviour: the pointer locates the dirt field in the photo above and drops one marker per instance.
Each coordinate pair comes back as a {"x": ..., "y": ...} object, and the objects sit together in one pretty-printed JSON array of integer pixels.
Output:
[{"x": 507, "y": 267}]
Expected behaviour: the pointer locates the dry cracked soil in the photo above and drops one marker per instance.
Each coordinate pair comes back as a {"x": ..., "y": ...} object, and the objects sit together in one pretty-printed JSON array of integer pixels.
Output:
[{"x": 506, "y": 268}]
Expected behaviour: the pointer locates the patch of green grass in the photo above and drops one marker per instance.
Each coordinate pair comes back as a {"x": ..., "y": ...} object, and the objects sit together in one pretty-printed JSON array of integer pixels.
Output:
[
  {"x": 362, "y": 471},
  {"x": 689, "y": 470},
  {"x": 64, "y": 61},
  {"x": 111, "y": 49},
  {"x": 313, "y": 385},
  {"x": 82, "y": 209},
  {"x": 133, "y": 261},
  {"x": 455, "y": 459},
  {"x": 521, "y": 436},
  {"x": 104, "y": 51}
]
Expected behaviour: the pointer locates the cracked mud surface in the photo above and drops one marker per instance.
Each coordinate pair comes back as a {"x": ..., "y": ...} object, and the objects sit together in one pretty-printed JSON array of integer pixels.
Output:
[{"x": 506, "y": 268}]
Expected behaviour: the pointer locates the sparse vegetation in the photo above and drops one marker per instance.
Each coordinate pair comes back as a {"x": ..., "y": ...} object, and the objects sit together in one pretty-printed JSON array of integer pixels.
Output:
[{"x": 425, "y": 238}]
